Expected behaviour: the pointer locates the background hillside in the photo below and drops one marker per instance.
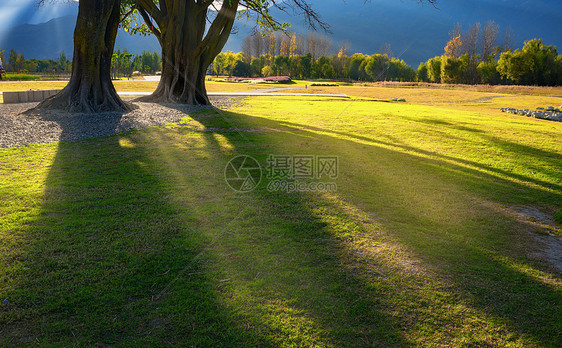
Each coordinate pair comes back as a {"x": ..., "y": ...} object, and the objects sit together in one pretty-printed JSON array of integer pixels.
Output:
[{"x": 414, "y": 32}]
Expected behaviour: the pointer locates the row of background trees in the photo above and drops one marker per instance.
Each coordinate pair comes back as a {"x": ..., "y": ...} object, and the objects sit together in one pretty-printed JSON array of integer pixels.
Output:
[
  {"x": 472, "y": 57},
  {"x": 123, "y": 63},
  {"x": 309, "y": 57},
  {"x": 17, "y": 62}
]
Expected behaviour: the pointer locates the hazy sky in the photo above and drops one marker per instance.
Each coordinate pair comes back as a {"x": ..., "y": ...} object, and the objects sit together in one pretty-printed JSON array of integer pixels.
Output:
[{"x": 15, "y": 12}]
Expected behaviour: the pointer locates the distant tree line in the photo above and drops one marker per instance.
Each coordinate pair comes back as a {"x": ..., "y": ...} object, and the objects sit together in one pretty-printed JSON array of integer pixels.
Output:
[
  {"x": 309, "y": 57},
  {"x": 16, "y": 62},
  {"x": 472, "y": 57},
  {"x": 123, "y": 63},
  {"x": 475, "y": 57}
]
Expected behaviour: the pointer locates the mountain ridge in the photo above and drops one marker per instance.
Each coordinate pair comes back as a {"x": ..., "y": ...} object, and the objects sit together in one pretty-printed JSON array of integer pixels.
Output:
[{"x": 48, "y": 40}]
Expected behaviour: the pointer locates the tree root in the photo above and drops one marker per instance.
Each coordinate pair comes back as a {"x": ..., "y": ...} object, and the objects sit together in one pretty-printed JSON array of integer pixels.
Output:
[{"x": 78, "y": 102}]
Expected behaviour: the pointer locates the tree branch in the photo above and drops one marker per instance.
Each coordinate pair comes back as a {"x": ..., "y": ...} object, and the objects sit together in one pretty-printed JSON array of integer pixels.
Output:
[
  {"x": 151, "y": 26},
  {"x": 152, "y": 10},
  {"x": 221, "y": 26},
  {"x": 131, "y": 10}
]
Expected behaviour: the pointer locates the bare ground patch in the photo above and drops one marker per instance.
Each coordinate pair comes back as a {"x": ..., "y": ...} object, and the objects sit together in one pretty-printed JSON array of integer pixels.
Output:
[
  {"x": 539, "y": 223},
  {"x": 19, "y": 126}
]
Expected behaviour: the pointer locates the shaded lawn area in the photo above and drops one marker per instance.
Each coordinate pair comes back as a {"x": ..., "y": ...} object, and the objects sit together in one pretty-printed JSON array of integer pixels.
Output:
[{"x": 136, "y": 239}]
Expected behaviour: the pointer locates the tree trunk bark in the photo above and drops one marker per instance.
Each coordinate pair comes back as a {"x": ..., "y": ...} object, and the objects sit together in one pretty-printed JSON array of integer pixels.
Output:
[
  {"x": 90, "y": 88},
  {"x": 184, "y": 65},
  {"x": 183, "y": 77},
  {"x": 187, "y": 49}
]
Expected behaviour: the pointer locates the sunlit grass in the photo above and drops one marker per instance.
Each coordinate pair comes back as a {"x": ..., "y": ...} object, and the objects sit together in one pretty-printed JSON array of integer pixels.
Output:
[
  {"x": 24, "y": 86},
  {"x": 136, "y": 239},
  {"x": 127, "y": 86},
  {"x": 20, "y": 77}
]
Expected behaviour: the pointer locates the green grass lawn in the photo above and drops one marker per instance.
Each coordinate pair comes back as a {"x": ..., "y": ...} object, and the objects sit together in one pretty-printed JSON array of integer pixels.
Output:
[{"x": 136, "y": 239}]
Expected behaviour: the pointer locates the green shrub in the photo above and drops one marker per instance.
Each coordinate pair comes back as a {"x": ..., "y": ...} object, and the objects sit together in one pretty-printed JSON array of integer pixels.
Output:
[{"x": 324, "y": 84}]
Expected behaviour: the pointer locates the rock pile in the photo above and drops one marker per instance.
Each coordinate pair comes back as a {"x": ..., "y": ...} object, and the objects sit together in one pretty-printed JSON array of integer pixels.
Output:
[{"x": 550, "y": 114}]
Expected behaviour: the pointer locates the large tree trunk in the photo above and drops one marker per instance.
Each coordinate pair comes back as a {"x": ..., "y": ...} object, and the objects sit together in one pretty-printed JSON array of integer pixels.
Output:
[
  {"x": 187, "y": 49},
  {"x": 90, "y": 88},
  {"x": 183, "y": 73}
]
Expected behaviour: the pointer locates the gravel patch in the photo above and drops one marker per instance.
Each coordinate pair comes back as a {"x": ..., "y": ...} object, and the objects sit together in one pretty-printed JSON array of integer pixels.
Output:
[{"x": 19, "y": 128}]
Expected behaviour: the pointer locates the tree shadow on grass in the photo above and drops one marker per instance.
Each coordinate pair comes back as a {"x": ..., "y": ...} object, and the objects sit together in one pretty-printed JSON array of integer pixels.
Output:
[
  {"x": 288, "y": 276},
  {"x": 107, "y": 260},
  {"x": 116, "y": 255},
  {"x": 471, "y": 168},
  {"x": 140, "y": 241},
  {"x": 474, "y": 258}
]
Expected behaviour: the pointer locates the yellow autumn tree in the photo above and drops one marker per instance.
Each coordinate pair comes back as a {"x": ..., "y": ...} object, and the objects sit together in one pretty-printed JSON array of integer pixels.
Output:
[
  {"x": 284, "y": 47},
  {"x": 293, "y": 45},
  {"x": 341, "y": 53},
  {"x": 453, "y": 48}
]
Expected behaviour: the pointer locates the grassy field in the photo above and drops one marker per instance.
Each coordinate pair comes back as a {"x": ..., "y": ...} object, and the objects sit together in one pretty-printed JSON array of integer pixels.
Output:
[{"x": 136, "y": 239}]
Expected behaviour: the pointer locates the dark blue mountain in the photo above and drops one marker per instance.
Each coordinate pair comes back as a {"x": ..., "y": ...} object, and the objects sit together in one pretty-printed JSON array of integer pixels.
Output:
[
  {"x": 48, "y": 40},
  {"x": 14, "y": 13},
  {"x": 42, "y": 41}
]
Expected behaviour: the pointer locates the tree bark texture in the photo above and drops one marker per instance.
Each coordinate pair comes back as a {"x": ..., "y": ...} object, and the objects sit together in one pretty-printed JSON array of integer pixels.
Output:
[
  {"x": 90, "y": 89},
  {"x": 187, "y": 49}
]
